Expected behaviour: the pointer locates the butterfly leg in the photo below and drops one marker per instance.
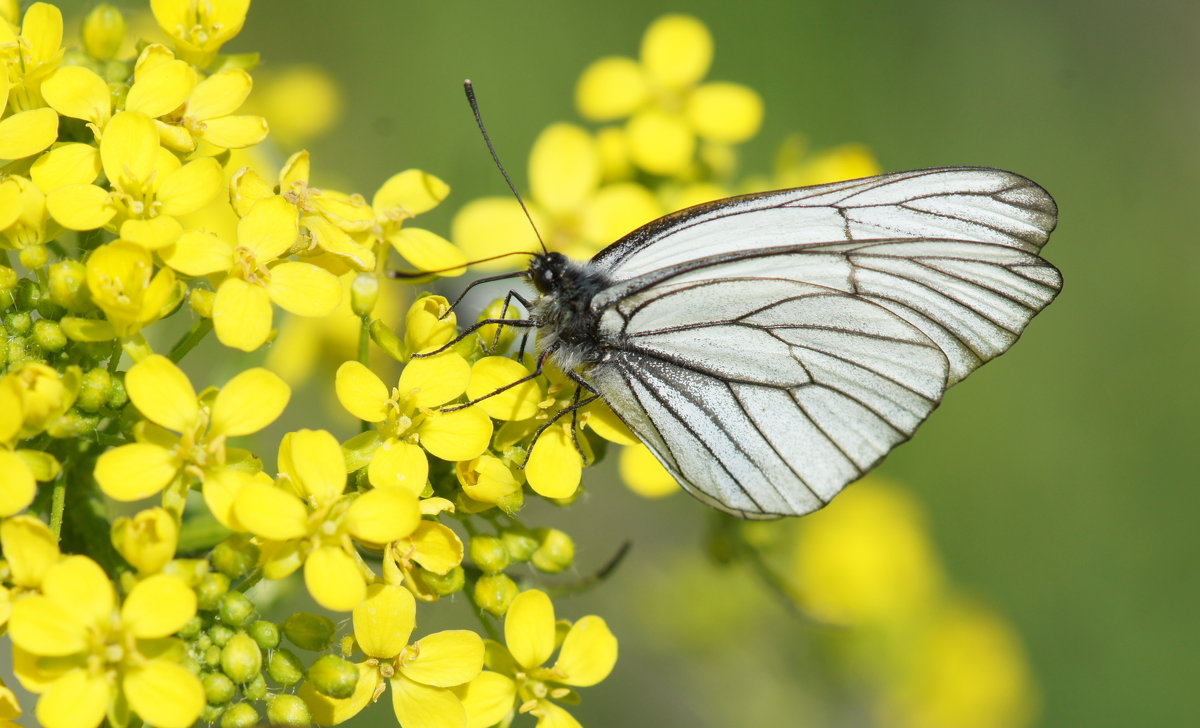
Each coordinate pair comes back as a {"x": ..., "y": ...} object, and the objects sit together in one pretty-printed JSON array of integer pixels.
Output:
[
  {"x": 519, "y": 323},
  {"x": 504, "y": 315},
  {"x": 472, "y": 284},
  {"x": 537, "y": 372},
  {"x": 572, "y": 410}
]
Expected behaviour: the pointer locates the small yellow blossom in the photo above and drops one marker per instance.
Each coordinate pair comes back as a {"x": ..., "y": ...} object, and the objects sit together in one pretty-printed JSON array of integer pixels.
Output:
[
  {"x": 147, "y": 540},
  {"x": 24, "y": 221},
  {"x": 30, "y": 549},
  {"x": 422, "y": 675},
  {"x": 200, "y": 27},
  {"x": 432, "y": 547},
  {"x": 300, "y": 102},
  {"x": 29, "y": 56},
  {"x": 122, "y": 281},
  {"x": 399, "y": 199}
]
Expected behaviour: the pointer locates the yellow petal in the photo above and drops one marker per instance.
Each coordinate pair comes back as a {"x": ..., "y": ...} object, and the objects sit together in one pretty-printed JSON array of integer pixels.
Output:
[
  {"x": 78, "y": 699},
  {"x": 30, "y": 549},
  {"x": 197, "y": 253},
  {"x": 42, "y": 626},
  {"x": 235, "y": 132},
  {"x": 314, "y": 461},
  {"x": 338, "y": 242},
  {"x": 270, "y": 512},
  {"x": 161, "y": 88},
  {"x": 333, "y": 579},
  {"x": 269, "y": 229},
  {"x": 42, "y": 29},
  {"x": 588, "y": 653},
  {"x": 383, "y": 515},
  {"x": 399, "y": 465},
  {"x": 605, "y": 423},
  {"x": 611, "y": 88},
  {"x": 249, "y": 402},
  {"x": 242, "y": 314},
  {"x": 660, "y": 143},
  {"x": 430, "y": 323},
  {"x": 493, "y": 225},
  {"x": 409, "y": 193},
  {"x": 434, "y": 380},
  {"x": 361, "y": 392},
  {"x": 384, "y": 620},
  {"x": 445, "y": 659},
  {"x": 564, "y": 168},
  {"x": 725, "y": 112},
  {"x": 129, "y": 150},
  {"x": 529, "y": 628},
  {"x": 428, "y": 251},
  {"x": 221, "y": 486},
  {"x": 162, "y": 393},
  {"x": 80, "y": 207},
  {"x": 190, "y": 187},
  {"x": 459, "y": 435},
  {"x": 492, "y": 373},
  {"x": 304, "y": 289},
  {"x": 295, "y": 170},
  {"x": 135, "y": 471},
  {"x": 152, "y": 234},
  {"x": 550, "y": 715},
  {"x": 158, "y": 606},
  {"x": 438, "y": 549},
  {"x": 17, "y": 484},
  {"x": 80, "y": 93},
  {"x": 677, "y": 50},
  {"x": 164, "y": 694},
  {"x": 81, "y": 329},
  {"x": 617, "y": 209},
  {"x": 27, "y": 132},
  {"x": 644, "y": 474},
  {"x": 429, "y": 707},
  {"x": 488, "y": 699},
  {"x": 220, "y": 94},
  {"x": 555, "y": 467}
]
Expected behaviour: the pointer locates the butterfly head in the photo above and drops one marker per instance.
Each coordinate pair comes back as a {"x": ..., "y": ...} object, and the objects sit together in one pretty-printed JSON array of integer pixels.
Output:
[{"x": 546, "y": 271}]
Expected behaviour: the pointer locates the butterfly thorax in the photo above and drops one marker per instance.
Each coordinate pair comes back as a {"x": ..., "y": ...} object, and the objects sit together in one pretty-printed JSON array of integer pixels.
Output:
[{"x": 566, "y": 323}]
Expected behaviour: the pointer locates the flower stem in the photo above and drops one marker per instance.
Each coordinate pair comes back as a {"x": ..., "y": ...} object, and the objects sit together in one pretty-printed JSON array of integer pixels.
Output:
[
  {"x": 58, "y": 503},
  {"x": 200, "y": 328}
]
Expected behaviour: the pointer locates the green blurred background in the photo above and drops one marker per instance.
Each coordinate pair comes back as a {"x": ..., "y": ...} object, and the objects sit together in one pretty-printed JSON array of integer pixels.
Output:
[{"x": 1060, "y": 480}]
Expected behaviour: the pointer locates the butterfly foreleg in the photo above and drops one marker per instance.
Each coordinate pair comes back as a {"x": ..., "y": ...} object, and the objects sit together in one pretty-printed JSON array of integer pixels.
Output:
[
  {"x": 519, "y": 323},
  {"x": 479, "y": 281}
]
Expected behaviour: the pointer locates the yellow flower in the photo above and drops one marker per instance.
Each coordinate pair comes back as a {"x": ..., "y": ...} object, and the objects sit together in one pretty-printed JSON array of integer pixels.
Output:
[
  {"x": 30, "y": 549},
  {"x": 73, "y": 647},
  {"x": 431, "y": 547},
  {"x": 189, "y": 434},
  {"x": 301, "y": 103},
  {"x": 255, "y": 275},
  {"x": 305, "y": 519},
  {"x": 23, "y": 216},
  {"x": 200, "y": 27},
  {"x": 644, "y": 474},
  {"x": 422, "y": 675},
  {"x": 33, "y": 399},
  {"x": 122, "y": 281},
  {"x": 666, "y": 104},
  {"x": 29, "y": 57},
  {"x": 402, "y": 197},
  {"x": 147, "y": 540},
  {"x": 150, "y": 187},
  {"x": 586, "y": 656},
  {"x": 574, "y": 211}
]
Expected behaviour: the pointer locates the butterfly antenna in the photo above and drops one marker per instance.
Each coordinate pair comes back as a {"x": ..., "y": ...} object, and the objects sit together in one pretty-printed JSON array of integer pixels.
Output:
[
  {"x": 470, "y": 89},
  {"x": 406, "y": 274}
]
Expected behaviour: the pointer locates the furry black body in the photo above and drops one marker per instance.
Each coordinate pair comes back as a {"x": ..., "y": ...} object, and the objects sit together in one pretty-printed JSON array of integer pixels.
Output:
[{"x": 568, "y": 326}]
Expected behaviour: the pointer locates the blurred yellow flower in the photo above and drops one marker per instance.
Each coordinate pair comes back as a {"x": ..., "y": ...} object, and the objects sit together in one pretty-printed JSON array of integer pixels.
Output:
[{"x": 301, "y": 103}]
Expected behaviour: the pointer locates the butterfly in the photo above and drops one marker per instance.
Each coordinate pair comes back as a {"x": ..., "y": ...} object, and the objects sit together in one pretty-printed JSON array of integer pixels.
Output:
[{"x": 772, "y": 348}]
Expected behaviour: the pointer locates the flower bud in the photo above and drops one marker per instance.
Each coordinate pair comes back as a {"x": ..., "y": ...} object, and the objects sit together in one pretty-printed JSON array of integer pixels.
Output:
[
  {"x": 555, "y": 551},
  {"x": 309, "y": 631},
  {"x": 387, "y": 340},
  {"x": 235, "y": 556},
  {"x": 429, "y": 323},
  {"x": 288, "y": 711},
  {"x": 148, "y": 540},
  {"x": 73, "y": 424},
  {"x": 201, "y": 301},
  {"x": 33, "y": 257},
  {"x": 29, "y": 293},
  {"x": 241, "y": 659},
  {"x": 49, "y": 335},
  {"x": 191, "y": 629},
  {"x": 218, "y": 688},
  {"x": 18, "y": 323},
  {"x": 210, "y": 590},
  {"x": 444, "y": 584},
  {"x": 494, "y": 592},
  {"x": 489, "y": 554},
  {"x": 285, "y": 668},
  {"x": 94, "y": 390},
  {"x": 256, "y": 690},
  {"x": 265, "y": 633},
  {"x": 333, "y": 676},
  {"x": 235, "y": 609},
  {"x": 364, "y": 293},
  {"x": 520, "y": 543},
  {"x": 220, "y": 634},
  {"x": 211, "y": 657},
  {"x": 211, "y": 713},
  {"x": 118, "y": 397},
  {"x": 68, "y": 286},
  {"x": 240, "y": 715},
  {"x": 103, "y": 32}
]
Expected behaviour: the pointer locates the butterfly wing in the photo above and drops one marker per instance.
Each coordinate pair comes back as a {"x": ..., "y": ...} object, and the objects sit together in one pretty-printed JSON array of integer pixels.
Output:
[{"x": 768, "y": 375}]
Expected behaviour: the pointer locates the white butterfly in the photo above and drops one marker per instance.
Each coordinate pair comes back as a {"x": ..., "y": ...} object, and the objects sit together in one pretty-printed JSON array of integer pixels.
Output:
[{"x": 772, "y": 348}]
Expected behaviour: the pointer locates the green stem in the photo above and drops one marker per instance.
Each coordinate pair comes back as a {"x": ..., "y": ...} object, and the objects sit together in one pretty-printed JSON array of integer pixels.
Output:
[
  {"x": 587, "y": 582},
  {"x": 58, "y": 503},
  {"x": 200, "y": 328},
  {"x": 488, "y": 626},
  {"x": 364, "y": 340}
]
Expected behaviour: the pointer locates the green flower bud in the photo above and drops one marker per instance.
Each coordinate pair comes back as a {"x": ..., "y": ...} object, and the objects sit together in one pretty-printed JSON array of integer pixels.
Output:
[
  {"x": 256, "y": 689},
  {"x": 520, "y": 543},
  {"x": 74, "y": 424},
  {"x": 94, "y": 390},
  {"x": 333, "y": 676},
  {"x": 34, "y": 257},
  {"x": 201, "y": 301},
  {"x": 49, "y": 335},
  {"x": 288, "y": 711},
  {"x": 494, "y": 592},
  {"x": 210, "y": 589},
  {"x": 191, "y": 629},
  {"x": 240, "y": 715},
  {"x": 211, "y": 713},
  {"x": 211, "y": 657},
  {"x": 103, "y": 32},
  {"x": 309, "y": 631},
  {"x": 235, "y": 556},
  {"x": 220, "y": 634},
  {"x": 18, "y": 323},
  {"x": 218, "y": 688},
  {"x": 387, "y": 340},
  {"x": 285, "y": 668},
  {"x": 555, "y": 552},
  {"x": 444, "y": 584},
  {"x": 235, "y": 609},
  {"x": 68, "y": 286},
  {"x": 241, "y": 659},
  {"x": 118, "y": 396},
  {"x": 265, "y": 633},
  {"x": 364, "y": 293},
  {"x": 192, "y": 665},
  {"x": 489, "y": 553},
  {"x": 29, "y": 294},
  {"x": 8, "y": 278},
  {"x": 203, "y": 642}
]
